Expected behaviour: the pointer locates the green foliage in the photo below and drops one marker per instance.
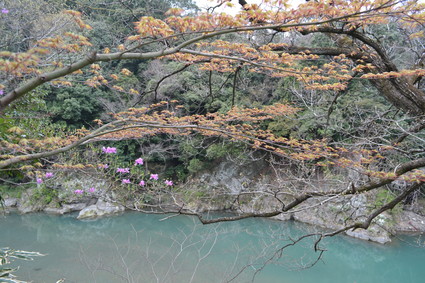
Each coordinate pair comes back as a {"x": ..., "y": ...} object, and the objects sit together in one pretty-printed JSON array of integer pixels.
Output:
[
  {"x": 195, "y": 165},
  {"x": 113, "y": 20},
  {"x": 283, "y": 126},
  {"x": 384, "y": 196},
  {"x": 128, "y": 151},
  {"x": 178, "y": 172},
  {"x": 216, "y": 151},
  {"x": 333, "y": 115},
  {"x": 27, "y": 22},
  {"x": 12, "y": 191},
  {"x": 77, "y": 105},
  {"x": 44, "y": 194},
  {"x": 28, "y": 114}
]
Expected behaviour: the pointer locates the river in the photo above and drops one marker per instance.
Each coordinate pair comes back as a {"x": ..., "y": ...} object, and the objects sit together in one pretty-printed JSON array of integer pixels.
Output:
[{"x": 136, "y": 247}]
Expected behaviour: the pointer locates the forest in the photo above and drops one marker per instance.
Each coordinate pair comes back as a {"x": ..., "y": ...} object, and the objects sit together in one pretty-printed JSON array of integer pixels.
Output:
[{"x": 311, "y": 111}]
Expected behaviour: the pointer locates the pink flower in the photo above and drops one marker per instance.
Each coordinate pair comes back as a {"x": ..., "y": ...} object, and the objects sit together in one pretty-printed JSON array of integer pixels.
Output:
[
  {"x": 39, "y": 181},
  {"x": 142, "y": 183},
  {"x": 49, "y": 175},
  {"x": 153, "y": 177},
  {"x": 4, "y": 11},
  {"x": 92, "y": 189},
  {"x": 109, "y": 149},
  {"x": 123, "y": 170},
  {"x": 168, "y": 182},
  {"x": 139, "y": 161},
  {"x": 78, "y": 192},
  {"x": 1, "y": 92},
  {"x": 126, "y": 181}
]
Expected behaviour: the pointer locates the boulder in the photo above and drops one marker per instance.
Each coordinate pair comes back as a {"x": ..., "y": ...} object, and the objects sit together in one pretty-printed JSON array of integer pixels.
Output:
[
  {"x": 11, "y": 202},
  {"x": 375, "y": 235},
  {"x": 101, "y": 208},
  {"x": 66, "y": 208}
]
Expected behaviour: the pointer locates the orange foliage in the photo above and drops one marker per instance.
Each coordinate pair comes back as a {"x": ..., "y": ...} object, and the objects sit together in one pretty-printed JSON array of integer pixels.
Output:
[{"x": 196, "y": 39}]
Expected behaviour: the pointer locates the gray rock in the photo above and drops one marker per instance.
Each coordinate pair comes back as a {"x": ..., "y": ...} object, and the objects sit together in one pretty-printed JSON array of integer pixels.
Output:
[
  {"x": 90, "y": 212},
  {"x": 66, "y": 208},
  {"x": 28, "y": 208},
  {"x": 408, "y": 221},
  {"x": 379, "y": 236},
  {"x": 234, "y": 178},
  {"x": 56, "y": 210},
  {"x": 101, "y": 208},
  {"x": 11, "y": 202},
  {"x": 75, "y": 206}
]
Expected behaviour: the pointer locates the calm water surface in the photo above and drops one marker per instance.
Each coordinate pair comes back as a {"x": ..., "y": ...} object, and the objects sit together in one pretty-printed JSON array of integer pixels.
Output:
[{"x": 137, "y": 247}]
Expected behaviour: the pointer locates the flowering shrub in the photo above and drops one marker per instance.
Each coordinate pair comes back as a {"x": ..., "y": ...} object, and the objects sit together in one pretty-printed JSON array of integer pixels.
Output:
[
  {"x": 123, "y": 170},
  {"x": 154, "y": 177},
  {"x": 109, "y": 149},
  {"x": 49, "y": 175},
  {"x": 81, "y": 192},
  {"x": 136, "y": 176},
  {"x": 132, "y": 178},
  {"x": 138, "y": 161}
]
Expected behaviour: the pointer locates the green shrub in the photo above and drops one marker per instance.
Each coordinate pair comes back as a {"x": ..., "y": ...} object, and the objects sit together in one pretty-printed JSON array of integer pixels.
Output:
[
  {"x": 195, "y": 165},
  {"x": 44, "y": 195}
]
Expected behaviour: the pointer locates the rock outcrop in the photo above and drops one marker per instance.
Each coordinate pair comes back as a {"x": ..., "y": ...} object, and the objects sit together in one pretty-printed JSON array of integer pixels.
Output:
[
  {"x": 101, "y": 208},
  {"x": 249, "y": 187}
]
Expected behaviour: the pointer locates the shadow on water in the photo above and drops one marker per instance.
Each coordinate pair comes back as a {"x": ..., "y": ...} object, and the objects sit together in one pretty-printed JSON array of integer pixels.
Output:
[{"x": 137, "y": 247}]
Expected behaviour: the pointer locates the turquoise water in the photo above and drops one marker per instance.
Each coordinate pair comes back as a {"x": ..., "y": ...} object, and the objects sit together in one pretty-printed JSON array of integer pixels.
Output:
[{"x": 137, "y": 247}]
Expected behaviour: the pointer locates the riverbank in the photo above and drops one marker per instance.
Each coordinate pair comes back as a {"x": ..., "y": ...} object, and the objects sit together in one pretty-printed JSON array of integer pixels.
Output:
[
  {"x": 91, "y": 207},
  {"x": 249, "y": 187}
]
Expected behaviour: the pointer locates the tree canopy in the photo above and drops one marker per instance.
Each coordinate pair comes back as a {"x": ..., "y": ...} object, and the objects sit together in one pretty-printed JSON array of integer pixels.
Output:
[{"x": 341, "y": 85}]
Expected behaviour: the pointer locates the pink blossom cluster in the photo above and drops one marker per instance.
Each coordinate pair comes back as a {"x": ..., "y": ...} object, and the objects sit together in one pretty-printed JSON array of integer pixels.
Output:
[
  {"x": 109, "y": 149},
  {"x": 153, "y": 177},
  {"x": 4, "y": 11},
  {"x": 138, "y": 161},
  {"x": 49, "y": 175},
  {"x": 80, "y": 192},
  {"x": 123, "y": 170}
]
